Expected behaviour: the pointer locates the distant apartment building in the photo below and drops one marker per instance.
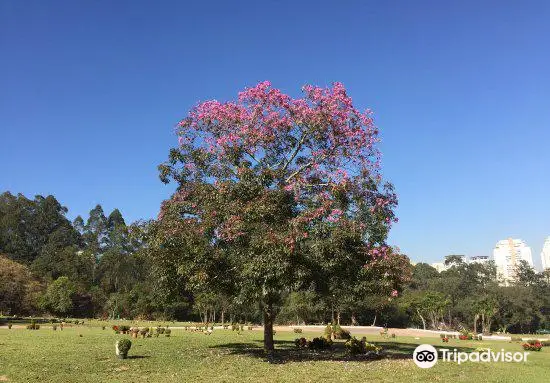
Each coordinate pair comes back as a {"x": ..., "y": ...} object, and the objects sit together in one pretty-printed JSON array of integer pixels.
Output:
[
  {"x": 439, "y": 266},
  {"x": 545, "y": 254},
  {"x": 445, "y": 265},
  {"x": 507, "y": 254},
  {"x": 479, "y": 259}
]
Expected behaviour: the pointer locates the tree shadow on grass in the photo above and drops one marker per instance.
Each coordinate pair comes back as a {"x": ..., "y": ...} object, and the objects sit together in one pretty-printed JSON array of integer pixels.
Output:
[
  {"x": 137, "y": 356},
  {"x": 286, "y": 351}
]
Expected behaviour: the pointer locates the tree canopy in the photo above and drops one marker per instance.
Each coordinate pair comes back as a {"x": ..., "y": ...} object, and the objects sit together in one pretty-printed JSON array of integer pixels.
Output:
[{"x": 275, "y": 192}]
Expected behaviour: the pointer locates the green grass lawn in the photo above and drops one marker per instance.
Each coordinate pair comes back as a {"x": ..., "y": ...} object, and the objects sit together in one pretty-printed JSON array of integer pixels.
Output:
[{"x": 64, "y": 356}]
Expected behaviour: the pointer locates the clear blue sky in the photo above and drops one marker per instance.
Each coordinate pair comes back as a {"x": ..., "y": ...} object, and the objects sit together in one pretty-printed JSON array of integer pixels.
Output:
[{"x": 90, "y": 92}]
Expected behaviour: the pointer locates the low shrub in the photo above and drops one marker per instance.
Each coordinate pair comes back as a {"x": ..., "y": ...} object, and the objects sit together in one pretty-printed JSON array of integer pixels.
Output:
[
  {"x": 355, "y": 346},
  {"x": 516, "y": 339},
  {"x": 545, "y": 343},
  {"x": 9, "y": 326},
  {"x": 300, "y": 342},
  {"x": 123, "y": 346},
  {"x": 167, "y": 332},
  {"x": 33, "y": 326},
  {"x": 320, "y": 343},
  {"x": 445, "y": 340},
  {"x": 297, "y": 330},
  {"x": 54, "y": 327}
]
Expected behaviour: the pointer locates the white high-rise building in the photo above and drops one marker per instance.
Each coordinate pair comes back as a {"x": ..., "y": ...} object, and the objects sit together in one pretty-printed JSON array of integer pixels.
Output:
[
  {"x": 479, "y": 259},
  {"x": 507, "y": 254},
  {"x": 545, "y": 254},
  {"x": 439, "y": 266}
]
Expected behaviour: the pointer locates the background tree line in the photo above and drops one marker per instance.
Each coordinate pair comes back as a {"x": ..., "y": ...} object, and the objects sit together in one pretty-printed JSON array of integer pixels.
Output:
[{"x": 101, "y": 267}]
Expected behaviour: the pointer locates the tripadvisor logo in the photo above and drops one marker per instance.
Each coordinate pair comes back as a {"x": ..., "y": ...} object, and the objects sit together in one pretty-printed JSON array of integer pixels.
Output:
[{"x": 425, "y": 356}]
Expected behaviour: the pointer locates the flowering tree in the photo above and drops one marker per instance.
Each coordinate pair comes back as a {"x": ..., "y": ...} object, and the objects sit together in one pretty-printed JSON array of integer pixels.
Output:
[{"x": 263, "y": 183}]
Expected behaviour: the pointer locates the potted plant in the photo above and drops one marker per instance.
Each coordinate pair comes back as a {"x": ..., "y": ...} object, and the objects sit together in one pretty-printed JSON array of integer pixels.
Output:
[
  {"x": 122, "y": 347},
  {"x": 143, "y": 332}
]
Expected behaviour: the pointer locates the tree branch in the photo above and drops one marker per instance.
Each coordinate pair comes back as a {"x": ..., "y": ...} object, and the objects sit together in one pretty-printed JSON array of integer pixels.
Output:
[{"x": 296, "y": 150}]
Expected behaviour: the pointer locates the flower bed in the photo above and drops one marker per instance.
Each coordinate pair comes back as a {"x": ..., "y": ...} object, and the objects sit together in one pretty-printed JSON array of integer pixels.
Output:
[{"x": 532, "y": 345}]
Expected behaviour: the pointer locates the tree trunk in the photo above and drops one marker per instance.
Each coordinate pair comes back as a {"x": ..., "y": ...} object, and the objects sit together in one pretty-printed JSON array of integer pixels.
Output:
[
  {"x": 353, "y": 320},
  {"x": 475, "y": 323},
  {"x": 421, "y": 317},
  {"x": 268, "y": 329},
  {"x": 223, "y": 314},
  {"x": 338, "y": 317},
  {"x": 374, "y": 321}
]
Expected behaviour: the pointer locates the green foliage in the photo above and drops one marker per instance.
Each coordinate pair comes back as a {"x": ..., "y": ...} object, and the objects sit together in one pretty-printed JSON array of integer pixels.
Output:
[
  {"x": 19, "y": 290},
  {"x": 301, "y": 342},
  {"x": 26, "y": 226},
  {"x": 301, "y": 307},
  {"x": 320, "y": 343},
  {"x": 124, "y": 345},
  {"x": 59, "y": 296},
  {"x": 355, "y": 346},
  {"x": 337, "y": 332}
]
